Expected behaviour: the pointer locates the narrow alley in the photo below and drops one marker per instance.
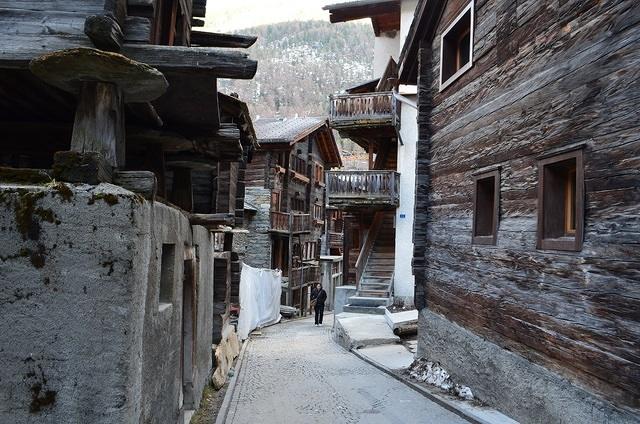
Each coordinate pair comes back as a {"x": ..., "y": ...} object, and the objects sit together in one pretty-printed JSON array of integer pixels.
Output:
[{"x": 295, "y": 372}]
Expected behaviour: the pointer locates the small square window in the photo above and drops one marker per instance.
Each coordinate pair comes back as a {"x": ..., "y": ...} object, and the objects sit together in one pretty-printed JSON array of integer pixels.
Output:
[
  {"x": 561, "y": 202},
  {"x": 456, "y": 48},
  {"x": 167, "y": 272},
  {"x": 486, "y": 208}
]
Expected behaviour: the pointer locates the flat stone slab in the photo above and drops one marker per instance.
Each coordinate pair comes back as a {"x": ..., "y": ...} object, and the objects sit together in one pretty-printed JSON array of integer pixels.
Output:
[
  {"x": 394, "y": 357},
  {"x": 361, "y": 330},
  {"x": 399, "y": 319}
]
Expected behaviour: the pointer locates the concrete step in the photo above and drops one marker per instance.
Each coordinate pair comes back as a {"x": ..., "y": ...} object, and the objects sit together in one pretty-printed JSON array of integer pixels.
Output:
[
  {"x": 375, "y": 280},
  {"x": 373, "y": 293},
  {"x": 373, "y": 310},
  {"x": 368, "y": 301}
]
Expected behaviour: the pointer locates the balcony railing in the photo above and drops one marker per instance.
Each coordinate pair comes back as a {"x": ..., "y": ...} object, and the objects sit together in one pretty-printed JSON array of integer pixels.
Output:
[
  {"x": 365, "y": 109},
  {"x": 290, "y": 222},
  {"x": 310, "y": 274},
  {"x": 352, "y": 189}
]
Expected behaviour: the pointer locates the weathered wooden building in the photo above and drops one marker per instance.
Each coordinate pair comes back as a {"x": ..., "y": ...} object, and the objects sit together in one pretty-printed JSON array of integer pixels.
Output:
[
  {"x": 527, "y": 241},
  {"x": 285, "y": 184},
  {"x": 121, "y": 173},
  {"x": 377, "y": 203}
]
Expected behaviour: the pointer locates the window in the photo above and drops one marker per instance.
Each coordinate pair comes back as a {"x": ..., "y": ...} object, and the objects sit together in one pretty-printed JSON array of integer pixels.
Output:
[
  {"x": 275, "y": 201},
  {"x": 318, "y": 174},
  {"x": 309, "y": 250},
  {"x": 456, "y": 48},
  {"x": 561, "y": 201},
  {"x": 167, "y": 271},
  {"x": 317, "y": 212},
  {"x": 298, "y": 205},
  {"x": 486, "y": 208}
]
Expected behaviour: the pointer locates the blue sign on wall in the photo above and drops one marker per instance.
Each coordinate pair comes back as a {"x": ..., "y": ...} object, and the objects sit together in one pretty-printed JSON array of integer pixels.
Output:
[{"x": 402, "y": 215}]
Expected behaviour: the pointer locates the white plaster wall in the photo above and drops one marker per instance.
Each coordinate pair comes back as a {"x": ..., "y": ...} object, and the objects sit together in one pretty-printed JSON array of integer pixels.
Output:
[
  {"x": 403, "y": 276},
  {"x": 407, "y": 9},
  {"x": 384, "y": 47}
]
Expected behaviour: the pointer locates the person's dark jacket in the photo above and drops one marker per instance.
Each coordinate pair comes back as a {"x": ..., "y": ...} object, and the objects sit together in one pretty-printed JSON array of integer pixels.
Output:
[
  {"x": 314, "y": 293},
  {"x": 322, "y": 297}
]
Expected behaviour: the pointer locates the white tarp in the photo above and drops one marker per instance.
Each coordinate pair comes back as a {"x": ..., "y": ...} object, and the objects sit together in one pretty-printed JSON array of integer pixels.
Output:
[{"x": 260, "y": 291}]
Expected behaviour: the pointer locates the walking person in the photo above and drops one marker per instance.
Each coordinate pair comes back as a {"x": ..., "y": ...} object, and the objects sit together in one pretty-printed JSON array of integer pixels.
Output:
[
  {"x": 320, "y": 299},
  {"x": 312, "y": 298}
]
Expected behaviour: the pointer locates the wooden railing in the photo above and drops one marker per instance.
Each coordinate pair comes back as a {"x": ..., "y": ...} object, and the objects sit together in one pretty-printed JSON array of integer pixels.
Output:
[
  {"x": 366, "y": 187},
  {"x": 280, "y": 221},
  {"x": 290, "y": 222},
  {"x": 369, "y": 108},
  {"x": 367, "y": 246}
]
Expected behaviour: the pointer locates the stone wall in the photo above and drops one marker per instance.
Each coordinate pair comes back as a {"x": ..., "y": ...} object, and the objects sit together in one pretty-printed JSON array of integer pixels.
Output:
[
  {"x": 254, "y": 248},
  {"x": 83, "y": 336}
]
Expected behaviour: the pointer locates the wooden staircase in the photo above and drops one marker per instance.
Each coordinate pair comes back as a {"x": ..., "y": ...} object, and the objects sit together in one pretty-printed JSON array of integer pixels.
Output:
[{"x": 375, "y": 284}]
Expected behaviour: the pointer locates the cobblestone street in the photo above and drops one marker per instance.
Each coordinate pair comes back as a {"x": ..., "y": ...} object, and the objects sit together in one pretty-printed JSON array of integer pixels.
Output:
[{"x": 295, "y": 373}]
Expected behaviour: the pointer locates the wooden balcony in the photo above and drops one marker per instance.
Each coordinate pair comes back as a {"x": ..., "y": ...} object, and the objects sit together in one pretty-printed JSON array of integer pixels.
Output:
[
  {"x": 362, "y": 110},
  {"x": 302, "y": 276},
  {"x": 359, "y": 189},
  {"x": 290, "y": 222}
]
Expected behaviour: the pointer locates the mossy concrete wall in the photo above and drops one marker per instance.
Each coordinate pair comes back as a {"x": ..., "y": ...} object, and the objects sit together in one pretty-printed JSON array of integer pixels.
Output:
[{"x": 82, "y": 336}]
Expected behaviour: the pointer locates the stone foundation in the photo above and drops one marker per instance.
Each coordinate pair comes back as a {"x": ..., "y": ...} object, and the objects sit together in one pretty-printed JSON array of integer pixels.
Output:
[{"x": 517, "y": 387}]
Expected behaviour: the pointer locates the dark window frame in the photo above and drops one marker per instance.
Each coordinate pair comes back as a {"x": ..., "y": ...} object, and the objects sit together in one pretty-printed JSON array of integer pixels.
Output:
[
  {"x": 493, "y": 237},
  {"x": 567, "y": 242},
  {"x": 444, "y": 83}
]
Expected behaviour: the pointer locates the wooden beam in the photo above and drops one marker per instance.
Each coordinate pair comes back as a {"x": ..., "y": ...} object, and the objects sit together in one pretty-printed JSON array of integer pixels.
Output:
[
  {"x": 143, "y": 183},
  {"x": 362, "y": 9},
  {"x": 214, "y": 62},
  {"x": 99, "y": 122},
  {"x": 212, "y": 219},
  {"x": 214, "y": 39}
]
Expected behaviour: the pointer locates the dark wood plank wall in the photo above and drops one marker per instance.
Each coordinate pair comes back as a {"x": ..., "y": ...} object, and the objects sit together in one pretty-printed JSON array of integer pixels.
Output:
[
  {"x": 256, "y": 173},
  {"x": 546, "y": 74}
]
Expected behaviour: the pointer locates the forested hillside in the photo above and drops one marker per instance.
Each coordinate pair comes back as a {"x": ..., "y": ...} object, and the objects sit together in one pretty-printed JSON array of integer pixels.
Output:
[{"x": 301, "y": 63}]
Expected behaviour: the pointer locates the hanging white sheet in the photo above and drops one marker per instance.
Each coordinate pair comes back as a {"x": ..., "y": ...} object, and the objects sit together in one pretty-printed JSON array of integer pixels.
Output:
[{"x": 260, "y": 291}]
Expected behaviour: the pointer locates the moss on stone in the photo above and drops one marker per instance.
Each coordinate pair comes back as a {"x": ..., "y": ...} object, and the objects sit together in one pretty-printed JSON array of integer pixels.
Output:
[
  {"x": 24, "y": 210},
  {"x": 109, "y": 198},
  {"x": 45, "y": 215},
  {"x": 24, "y": 176},
  {"x": 64, "y": 191}
]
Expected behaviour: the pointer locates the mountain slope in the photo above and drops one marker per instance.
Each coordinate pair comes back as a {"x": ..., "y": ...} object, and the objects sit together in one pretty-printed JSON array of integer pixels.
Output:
[{"x": 301, "y": 63}]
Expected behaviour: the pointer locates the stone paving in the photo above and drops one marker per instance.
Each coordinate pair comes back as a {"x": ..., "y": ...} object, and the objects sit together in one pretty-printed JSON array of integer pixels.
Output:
[{"x": 294, "y": 373}]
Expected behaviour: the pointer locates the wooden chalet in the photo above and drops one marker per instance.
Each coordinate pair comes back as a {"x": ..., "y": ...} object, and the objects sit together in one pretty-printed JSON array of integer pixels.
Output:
[
  {"x": 287, "y": 175},
  {"x": 119, "y": 98},
  {"x": 527, "y": 249},
  {"x": 368, "y": 114}
]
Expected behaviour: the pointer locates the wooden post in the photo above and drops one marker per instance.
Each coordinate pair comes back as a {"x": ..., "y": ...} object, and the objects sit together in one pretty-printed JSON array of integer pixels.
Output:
[
  {"x": 370, "y": 151},
  {"x": 182, "y": 193},
  {"x": 290, "y": 260},
  {"x": 99, "y": 122}
]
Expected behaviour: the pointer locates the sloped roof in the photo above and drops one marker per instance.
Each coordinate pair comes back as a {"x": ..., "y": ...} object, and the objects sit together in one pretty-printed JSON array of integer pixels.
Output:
[
  {"x": 286, "y": 130},
  {"x": 277, "y": 132}
]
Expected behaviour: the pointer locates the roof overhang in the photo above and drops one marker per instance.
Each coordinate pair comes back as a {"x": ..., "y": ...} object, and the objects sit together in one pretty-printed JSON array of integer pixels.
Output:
[
  {"x": 384, "y": 14},
  {"x": 423, "y": 27}
]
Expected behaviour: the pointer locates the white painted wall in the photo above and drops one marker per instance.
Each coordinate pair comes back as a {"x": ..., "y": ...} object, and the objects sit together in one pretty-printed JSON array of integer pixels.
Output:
[
  {"x": 384, "y": 47},
  {"x": 403, "y": 275},
  {"x": 407, "y": 9}
]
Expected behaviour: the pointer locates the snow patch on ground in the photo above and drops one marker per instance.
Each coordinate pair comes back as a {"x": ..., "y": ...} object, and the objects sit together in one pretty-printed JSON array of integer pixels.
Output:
[{"x": 432, "y": 373}]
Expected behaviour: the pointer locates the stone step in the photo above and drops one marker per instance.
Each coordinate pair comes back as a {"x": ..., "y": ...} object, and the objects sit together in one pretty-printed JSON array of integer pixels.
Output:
[
  {"x": 368, "y": 301},
  {"x": 373, "y": 310}
]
